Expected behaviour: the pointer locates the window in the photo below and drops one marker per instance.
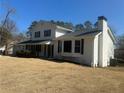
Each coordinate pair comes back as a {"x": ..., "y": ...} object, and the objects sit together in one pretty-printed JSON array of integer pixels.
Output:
[
  {"x": 59, "y": 46},
  {"x": 77, "y": 46},
  {"x": 37, "y": 34},
  {"x": 82, "y": 46},
  {"x": 67, "y": 46},
  {"x": 47, "y": 33}
]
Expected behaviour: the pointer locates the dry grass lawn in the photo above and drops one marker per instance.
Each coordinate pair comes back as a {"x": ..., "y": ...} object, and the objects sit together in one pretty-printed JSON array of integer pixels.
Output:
[{"x": 31, "y": 75}]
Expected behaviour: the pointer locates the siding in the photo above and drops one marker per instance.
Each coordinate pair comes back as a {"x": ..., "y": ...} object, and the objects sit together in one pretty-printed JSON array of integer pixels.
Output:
[{"x": 86, "y": 58}]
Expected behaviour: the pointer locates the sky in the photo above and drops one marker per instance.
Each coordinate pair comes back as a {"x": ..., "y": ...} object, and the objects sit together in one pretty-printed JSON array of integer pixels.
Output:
[{"x": 75, "y": 11}]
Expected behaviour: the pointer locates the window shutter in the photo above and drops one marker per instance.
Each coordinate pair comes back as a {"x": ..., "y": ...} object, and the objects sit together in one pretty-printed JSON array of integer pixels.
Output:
[
  {"x": 82, "y": 46},
  {"x": 58, "y": 46}
]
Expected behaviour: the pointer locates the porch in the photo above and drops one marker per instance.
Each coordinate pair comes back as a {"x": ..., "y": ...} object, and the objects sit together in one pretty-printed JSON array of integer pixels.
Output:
[{"x": 39, "y": 48}]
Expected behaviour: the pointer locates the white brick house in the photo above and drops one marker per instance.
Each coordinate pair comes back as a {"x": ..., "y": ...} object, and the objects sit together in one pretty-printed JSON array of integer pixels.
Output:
[{"x": 93, "y": 48}]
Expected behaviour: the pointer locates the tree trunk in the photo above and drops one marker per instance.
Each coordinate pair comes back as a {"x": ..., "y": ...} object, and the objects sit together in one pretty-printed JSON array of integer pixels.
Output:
[{"x": 6, "y": 49}]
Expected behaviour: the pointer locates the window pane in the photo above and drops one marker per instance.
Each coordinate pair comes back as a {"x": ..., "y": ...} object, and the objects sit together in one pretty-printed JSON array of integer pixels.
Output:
[
  {"x": 67, "y": 46},
  {"x": 47, "y": 33},
  {"x": 77, "y": 46},
  {"x": 37, "y": 34}
]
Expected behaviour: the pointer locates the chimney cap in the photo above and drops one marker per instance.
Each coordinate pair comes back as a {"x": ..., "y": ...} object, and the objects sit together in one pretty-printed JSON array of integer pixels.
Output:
[{"x": 102, "y": 18}]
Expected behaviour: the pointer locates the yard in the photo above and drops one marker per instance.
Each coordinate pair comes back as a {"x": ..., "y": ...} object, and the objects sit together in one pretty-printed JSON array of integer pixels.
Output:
[{"x": 32, "y": 75}]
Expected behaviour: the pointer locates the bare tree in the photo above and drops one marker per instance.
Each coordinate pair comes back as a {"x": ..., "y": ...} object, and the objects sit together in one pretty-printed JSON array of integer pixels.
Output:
[
  {"x": 121, "y": 42},
  {"x": 7, "y": 26},
  {"x": 20, "y": 37}
]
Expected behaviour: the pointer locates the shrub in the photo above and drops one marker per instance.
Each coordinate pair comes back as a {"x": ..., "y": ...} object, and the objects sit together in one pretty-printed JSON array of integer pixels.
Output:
[
  {"x": 23, "y": 53},
  {"x": 113, "y": 62}
]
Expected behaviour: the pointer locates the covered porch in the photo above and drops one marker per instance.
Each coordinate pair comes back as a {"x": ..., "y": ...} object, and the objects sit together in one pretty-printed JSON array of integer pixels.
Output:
[{"x": 39, "y": 48}]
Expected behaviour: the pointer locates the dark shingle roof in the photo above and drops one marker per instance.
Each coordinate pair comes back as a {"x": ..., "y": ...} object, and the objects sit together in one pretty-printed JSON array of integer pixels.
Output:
[
  {"x": 89, "y": 32},
  {"x": 80, "y": 33},
  {"x": 33, "y": 41}
]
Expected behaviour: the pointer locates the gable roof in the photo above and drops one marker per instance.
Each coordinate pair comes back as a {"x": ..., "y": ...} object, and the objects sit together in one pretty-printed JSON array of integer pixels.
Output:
[
  {"x": 80, "y": 33},
  {"x": 90, "y": 33},
  {"x": 112, "y": 35},
  {"x": 40, "y": 23},
  {"x": 63, "y": 28}
]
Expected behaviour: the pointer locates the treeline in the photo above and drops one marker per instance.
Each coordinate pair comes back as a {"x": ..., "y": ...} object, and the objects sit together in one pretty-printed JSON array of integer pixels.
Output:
[
  {"x": 119, "y": 51},
  {"x": 78, "y": 27}
]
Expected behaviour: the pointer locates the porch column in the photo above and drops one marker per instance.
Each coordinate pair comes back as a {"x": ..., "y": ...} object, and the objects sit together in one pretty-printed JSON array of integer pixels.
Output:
[
  {"x": 35, "y": 49},
  {"x": 46, "y": 50},
  {"x": 73, "y": 46},
  {"x": 50, "y": 50},
  {"x": 42, "y": 50},
  {"x": 62, "y": 46}
]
